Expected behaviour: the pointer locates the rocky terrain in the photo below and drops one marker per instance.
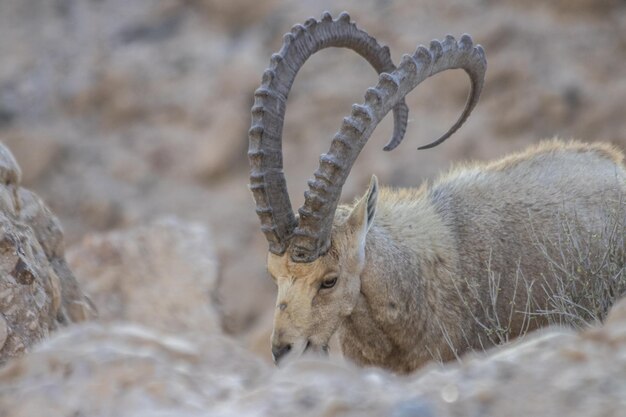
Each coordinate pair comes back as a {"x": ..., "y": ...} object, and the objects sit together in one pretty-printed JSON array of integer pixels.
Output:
[
  {"x": 140, "y": 111},
  {"x": 129, "y": 370},
  {"x": 38, "y": 292},
  {"x": 130, "y": 119},
  {"x": 162, "y": 275}
]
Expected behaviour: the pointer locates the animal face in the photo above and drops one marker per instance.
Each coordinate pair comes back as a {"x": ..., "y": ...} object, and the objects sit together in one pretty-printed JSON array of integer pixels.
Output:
[{"x": 313, "y": 298}]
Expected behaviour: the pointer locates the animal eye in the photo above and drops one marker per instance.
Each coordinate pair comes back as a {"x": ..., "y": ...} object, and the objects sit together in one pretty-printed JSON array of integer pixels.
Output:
[{"x": 329, "y": 282}]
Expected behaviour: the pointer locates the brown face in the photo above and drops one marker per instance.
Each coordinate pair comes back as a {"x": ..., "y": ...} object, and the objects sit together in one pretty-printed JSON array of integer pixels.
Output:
[{"x": 313, "y": 298}]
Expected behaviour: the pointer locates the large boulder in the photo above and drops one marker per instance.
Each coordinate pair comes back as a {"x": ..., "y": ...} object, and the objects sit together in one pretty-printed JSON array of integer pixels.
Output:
[
  {"x": 162, "y": 275},
  {"x": 126, "y": 370},
  {"x": 38, "y": 292}
]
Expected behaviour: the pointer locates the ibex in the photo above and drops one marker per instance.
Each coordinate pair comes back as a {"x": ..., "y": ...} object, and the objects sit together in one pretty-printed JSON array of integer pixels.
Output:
[{"x": 392, "y": 273}]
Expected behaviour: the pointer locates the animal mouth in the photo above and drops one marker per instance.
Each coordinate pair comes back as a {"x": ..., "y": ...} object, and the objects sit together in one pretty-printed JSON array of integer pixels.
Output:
[{"x": 310, "y": 347}]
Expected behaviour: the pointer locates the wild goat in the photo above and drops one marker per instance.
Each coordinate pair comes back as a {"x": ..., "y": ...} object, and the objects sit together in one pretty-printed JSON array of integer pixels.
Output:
[{"x": 404, "y": 275}]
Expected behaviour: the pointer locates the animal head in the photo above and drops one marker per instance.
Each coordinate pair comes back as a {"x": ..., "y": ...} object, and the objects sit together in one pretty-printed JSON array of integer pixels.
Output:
[
  {"x": 313, "y": 297},
  {"x": 316, "y": 258}
]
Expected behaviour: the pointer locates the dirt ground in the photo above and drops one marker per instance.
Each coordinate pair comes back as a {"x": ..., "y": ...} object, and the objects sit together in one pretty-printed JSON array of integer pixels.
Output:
[{"x": 123, "y": 112}]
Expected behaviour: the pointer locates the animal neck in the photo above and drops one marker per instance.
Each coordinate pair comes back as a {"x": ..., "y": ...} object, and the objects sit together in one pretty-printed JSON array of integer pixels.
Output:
[{"x": 397, "y": 306}]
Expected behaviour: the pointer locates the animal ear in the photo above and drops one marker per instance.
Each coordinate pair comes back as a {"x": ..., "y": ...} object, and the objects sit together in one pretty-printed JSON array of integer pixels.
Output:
[{"x": 362, "y": 215}]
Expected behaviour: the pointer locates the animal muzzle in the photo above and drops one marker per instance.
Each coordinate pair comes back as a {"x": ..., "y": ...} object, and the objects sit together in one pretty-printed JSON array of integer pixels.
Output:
[{"x": 279, "y": 351}]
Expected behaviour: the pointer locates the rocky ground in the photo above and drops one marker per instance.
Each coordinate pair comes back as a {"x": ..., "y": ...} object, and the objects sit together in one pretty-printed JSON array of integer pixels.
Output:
[
  {"x": 141, "y": 110},
  {"x": 129, "y": 370},
  {"x": 38, "y": 292},
  {"x": 130, "y": 119}
]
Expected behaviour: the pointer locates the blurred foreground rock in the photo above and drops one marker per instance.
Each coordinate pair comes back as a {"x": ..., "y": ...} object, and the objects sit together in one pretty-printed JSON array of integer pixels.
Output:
[
  {"x": 128, "y": 371},
  {"x": 555, "y": 372},
  {"x": 38, "y": 292},
  {"x": 162, "y": 275},
  {"x": 124, "y": 370}
]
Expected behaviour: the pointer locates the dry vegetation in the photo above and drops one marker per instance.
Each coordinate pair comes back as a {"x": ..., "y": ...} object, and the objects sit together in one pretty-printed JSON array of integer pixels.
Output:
[
  {"x": 587, "y": 286},
  {"x": 587, "y": 282}
]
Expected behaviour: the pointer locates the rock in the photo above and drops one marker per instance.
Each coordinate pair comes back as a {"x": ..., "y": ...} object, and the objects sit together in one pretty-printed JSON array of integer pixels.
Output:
[
  {"x": 38, "y": 293},
  {"x": 236, "y": 15},
  {"x": 36, "y": 165},
  {"x": 583, "y": 8},
  {"x": 552, "y": 372},
  {"x": 10, "y": 173},
  {"x": 4, "y": 331},
  {"x": 125, "y": 370},
  {"x": 162, "y": 275}
]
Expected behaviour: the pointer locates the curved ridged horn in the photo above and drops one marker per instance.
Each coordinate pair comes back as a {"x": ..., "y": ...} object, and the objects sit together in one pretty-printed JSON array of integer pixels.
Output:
[
  {"x": 312, "y": 236},
  {"x": 267, "y": 181}
]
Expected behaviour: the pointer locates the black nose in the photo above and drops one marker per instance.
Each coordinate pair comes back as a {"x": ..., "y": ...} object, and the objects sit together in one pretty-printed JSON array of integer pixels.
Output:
[{"x": 280, "y": 351}]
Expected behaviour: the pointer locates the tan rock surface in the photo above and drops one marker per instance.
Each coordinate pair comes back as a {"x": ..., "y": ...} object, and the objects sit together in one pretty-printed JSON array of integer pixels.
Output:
[
  {"x": 162, "y": 275},
  {"x": 38, "y": 293},
  {"x": 127, "y": 370}
]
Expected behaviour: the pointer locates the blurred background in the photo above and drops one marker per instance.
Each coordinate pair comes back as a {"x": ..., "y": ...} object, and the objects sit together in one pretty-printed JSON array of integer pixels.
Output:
[{"x": 120, "y": 112}]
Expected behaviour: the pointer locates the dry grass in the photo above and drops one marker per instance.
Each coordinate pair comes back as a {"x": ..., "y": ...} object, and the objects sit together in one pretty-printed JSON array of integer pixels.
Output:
[
  {"x": 584, "y": 277},
  {"x": 587, "y": 272}
]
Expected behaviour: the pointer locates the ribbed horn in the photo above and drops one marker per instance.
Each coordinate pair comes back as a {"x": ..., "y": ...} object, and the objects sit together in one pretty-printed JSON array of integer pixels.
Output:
[
  {"x": 312, "y": 236},
  {"x": 267, "y": 180}
]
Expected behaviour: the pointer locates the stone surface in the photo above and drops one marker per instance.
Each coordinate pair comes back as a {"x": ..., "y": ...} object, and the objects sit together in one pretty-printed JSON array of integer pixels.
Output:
[
  {"x": 162, "y": 275},
  {"x": 38, "y": 293},
  {"x": 40, "y": 163},
  {"x": 140, "y": 109},
  {"x": 10, "y": 173},
  {"x": 128, "y": 370}
]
